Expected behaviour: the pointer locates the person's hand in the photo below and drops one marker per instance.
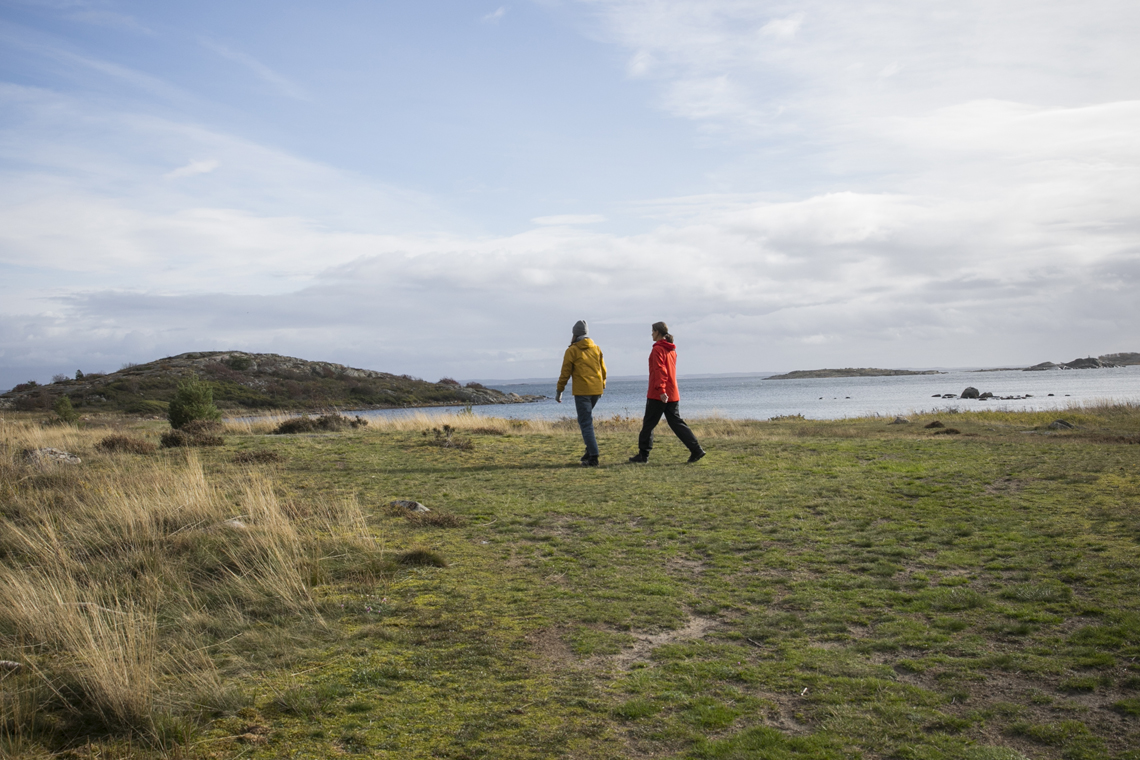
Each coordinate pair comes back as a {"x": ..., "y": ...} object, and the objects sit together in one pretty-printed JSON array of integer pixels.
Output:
[
  {"x": 558, "y": 398},
  {"x": 664, "y": 398}
]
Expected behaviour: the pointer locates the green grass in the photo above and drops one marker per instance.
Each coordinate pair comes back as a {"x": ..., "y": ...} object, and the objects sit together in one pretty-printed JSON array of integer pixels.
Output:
[{"x": 811, "y": 589}]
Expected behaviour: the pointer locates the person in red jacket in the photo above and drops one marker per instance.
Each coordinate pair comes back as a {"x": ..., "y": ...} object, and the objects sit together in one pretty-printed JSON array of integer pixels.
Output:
[{"x": 663, "y": 398}]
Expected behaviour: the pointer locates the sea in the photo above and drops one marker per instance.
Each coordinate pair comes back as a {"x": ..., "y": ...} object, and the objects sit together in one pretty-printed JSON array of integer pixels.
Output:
[{"x": 759, "y": 398}]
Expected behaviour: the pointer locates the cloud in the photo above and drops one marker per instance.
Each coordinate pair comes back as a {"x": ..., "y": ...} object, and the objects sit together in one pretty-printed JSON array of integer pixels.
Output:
[
  {"x": 569, "y": 219},
  {"x": 192, "y": 168},
  {"x": 283, "y": 85},
  {"x": 726, "y": 63},
  {"x": 110, "y": 19},
  {"x": 496, "y": 15},
  {"x": 783, "y": 28},
  {"x": 962, "y": 192},
  {"x": 640, "y": 64}
]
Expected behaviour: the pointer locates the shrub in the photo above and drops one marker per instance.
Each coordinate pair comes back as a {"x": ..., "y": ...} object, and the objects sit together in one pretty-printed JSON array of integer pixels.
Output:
[
  {"x": 330, "y": 423},
  {"x": 173, "y": 439},
  {"x": 448, "y": 381},
  {"x": 176, "y": 438},
  {"x": 476, "y": 386},
  {"x": 64, "y": 410},
  {"x": 114, "y": 443},
  {"x": 60, "y": 378},
  {"x": 202, "y": 427},
  {"x": 194, "y": 400}
]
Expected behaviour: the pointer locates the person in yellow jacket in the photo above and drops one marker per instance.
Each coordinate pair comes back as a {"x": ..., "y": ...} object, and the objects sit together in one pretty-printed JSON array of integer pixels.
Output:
[{"x": 583, "y": 361}]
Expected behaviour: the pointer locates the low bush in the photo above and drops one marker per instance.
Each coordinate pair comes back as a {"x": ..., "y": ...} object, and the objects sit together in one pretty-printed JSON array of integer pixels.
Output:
[
  {"x": 173, "y": 439},
  {"x": 202, "y": 427},
  {"x": 64, "y": 410},
  {"x": 124, "y": 443},
  {"x": 328, "y": 423}
]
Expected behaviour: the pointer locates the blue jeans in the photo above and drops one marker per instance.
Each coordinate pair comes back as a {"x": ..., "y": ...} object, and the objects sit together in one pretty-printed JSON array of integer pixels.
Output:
[{"x": 585, "y": 406}]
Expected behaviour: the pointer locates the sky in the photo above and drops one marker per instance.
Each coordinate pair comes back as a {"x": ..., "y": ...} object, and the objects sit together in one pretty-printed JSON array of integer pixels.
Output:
[{"x": 443, "y": 188}]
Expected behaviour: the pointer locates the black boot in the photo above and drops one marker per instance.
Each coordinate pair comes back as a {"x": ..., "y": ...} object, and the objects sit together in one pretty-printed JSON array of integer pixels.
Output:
[
  {"x": 641, "y": 457},
  {"x": 695, "y": 456},
  {"x": 589, "y": 461}
]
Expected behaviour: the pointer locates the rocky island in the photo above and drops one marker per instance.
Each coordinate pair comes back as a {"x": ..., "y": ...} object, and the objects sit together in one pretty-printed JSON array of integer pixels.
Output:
[
  {"x": 250, "y": 381},
  {"x": 803, "y": 374},
  {"x": 1108, "y": 360}
]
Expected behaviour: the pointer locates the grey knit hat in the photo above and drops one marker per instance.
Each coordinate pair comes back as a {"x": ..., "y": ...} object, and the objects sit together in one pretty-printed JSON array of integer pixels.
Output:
[{"x": 580, "y": 330}]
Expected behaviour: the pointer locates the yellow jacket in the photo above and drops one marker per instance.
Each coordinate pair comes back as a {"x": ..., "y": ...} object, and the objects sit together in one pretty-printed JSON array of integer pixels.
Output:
[{"x": 583, "y": 360}]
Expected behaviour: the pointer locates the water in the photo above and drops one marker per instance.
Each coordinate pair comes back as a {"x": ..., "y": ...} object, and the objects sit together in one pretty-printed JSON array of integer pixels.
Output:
[{"x": 753, "y": 397}]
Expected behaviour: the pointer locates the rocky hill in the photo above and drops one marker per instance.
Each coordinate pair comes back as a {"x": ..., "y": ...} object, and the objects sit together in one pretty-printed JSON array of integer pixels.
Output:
[{"x": 251, "y": 381}]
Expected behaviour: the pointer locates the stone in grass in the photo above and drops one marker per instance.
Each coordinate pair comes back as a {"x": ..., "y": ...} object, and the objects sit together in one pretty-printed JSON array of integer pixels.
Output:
[
  {"x": 48, "y": 456},
  {"x": 948, "y": 431},
  {"x": 935, "y": 424},
  {"x": 1061, "y": 425},
  {"x": 970, "y": 392},
  {"x": 411, "y": 506},
  {"x": 899, "y": 421},
  {"x": 8, "y": 666}
]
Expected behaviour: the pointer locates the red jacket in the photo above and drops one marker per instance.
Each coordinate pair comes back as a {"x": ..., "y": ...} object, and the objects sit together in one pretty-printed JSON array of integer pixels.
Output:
[{"x": 663, "y": 371}]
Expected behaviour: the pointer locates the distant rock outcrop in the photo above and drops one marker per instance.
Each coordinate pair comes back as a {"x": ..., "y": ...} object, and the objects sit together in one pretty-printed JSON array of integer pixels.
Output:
[
  {"x": 804, "y": 374},
  {"x": 1121, "y": 360},
  {"x": 1089, "y": 362}
]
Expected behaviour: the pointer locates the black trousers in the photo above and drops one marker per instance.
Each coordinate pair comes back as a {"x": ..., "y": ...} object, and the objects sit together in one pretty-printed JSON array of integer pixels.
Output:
[{"x": 654, "y": 408}]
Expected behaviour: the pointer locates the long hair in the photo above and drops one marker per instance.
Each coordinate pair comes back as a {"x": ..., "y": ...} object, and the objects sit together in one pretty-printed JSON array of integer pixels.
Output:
[{"x": 663, "y": 329}]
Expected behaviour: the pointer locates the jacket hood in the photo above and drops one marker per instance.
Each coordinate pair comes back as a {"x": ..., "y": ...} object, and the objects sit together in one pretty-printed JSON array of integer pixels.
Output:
[
  {"x": 665, "y": 345},
  {"x": 582, "y": 343}
]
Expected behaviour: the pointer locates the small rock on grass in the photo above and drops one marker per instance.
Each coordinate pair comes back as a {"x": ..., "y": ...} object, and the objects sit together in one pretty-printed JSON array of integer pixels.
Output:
[
  {"x": 899, "y": 421},
  {"x": 935, "y": 424},
  {"x": 411, "y": 506},
  {"x": 7, "y": 666},
  {"x": 49, "y": 455},
  {"x": 1061, "y": 425}
]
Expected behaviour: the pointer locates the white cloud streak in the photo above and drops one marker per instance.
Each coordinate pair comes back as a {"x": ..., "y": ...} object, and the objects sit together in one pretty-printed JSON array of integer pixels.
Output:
[
  {"x": 280, "y": 83},
  {"x": 193, "y": 168}
]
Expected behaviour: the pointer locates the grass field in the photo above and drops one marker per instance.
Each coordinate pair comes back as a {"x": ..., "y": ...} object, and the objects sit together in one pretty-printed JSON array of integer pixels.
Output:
[{"x": 846, "y": 589}]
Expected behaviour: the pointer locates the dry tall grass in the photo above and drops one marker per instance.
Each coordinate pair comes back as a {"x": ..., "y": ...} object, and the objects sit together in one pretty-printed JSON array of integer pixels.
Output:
[{"x": 103, "y": 565}]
